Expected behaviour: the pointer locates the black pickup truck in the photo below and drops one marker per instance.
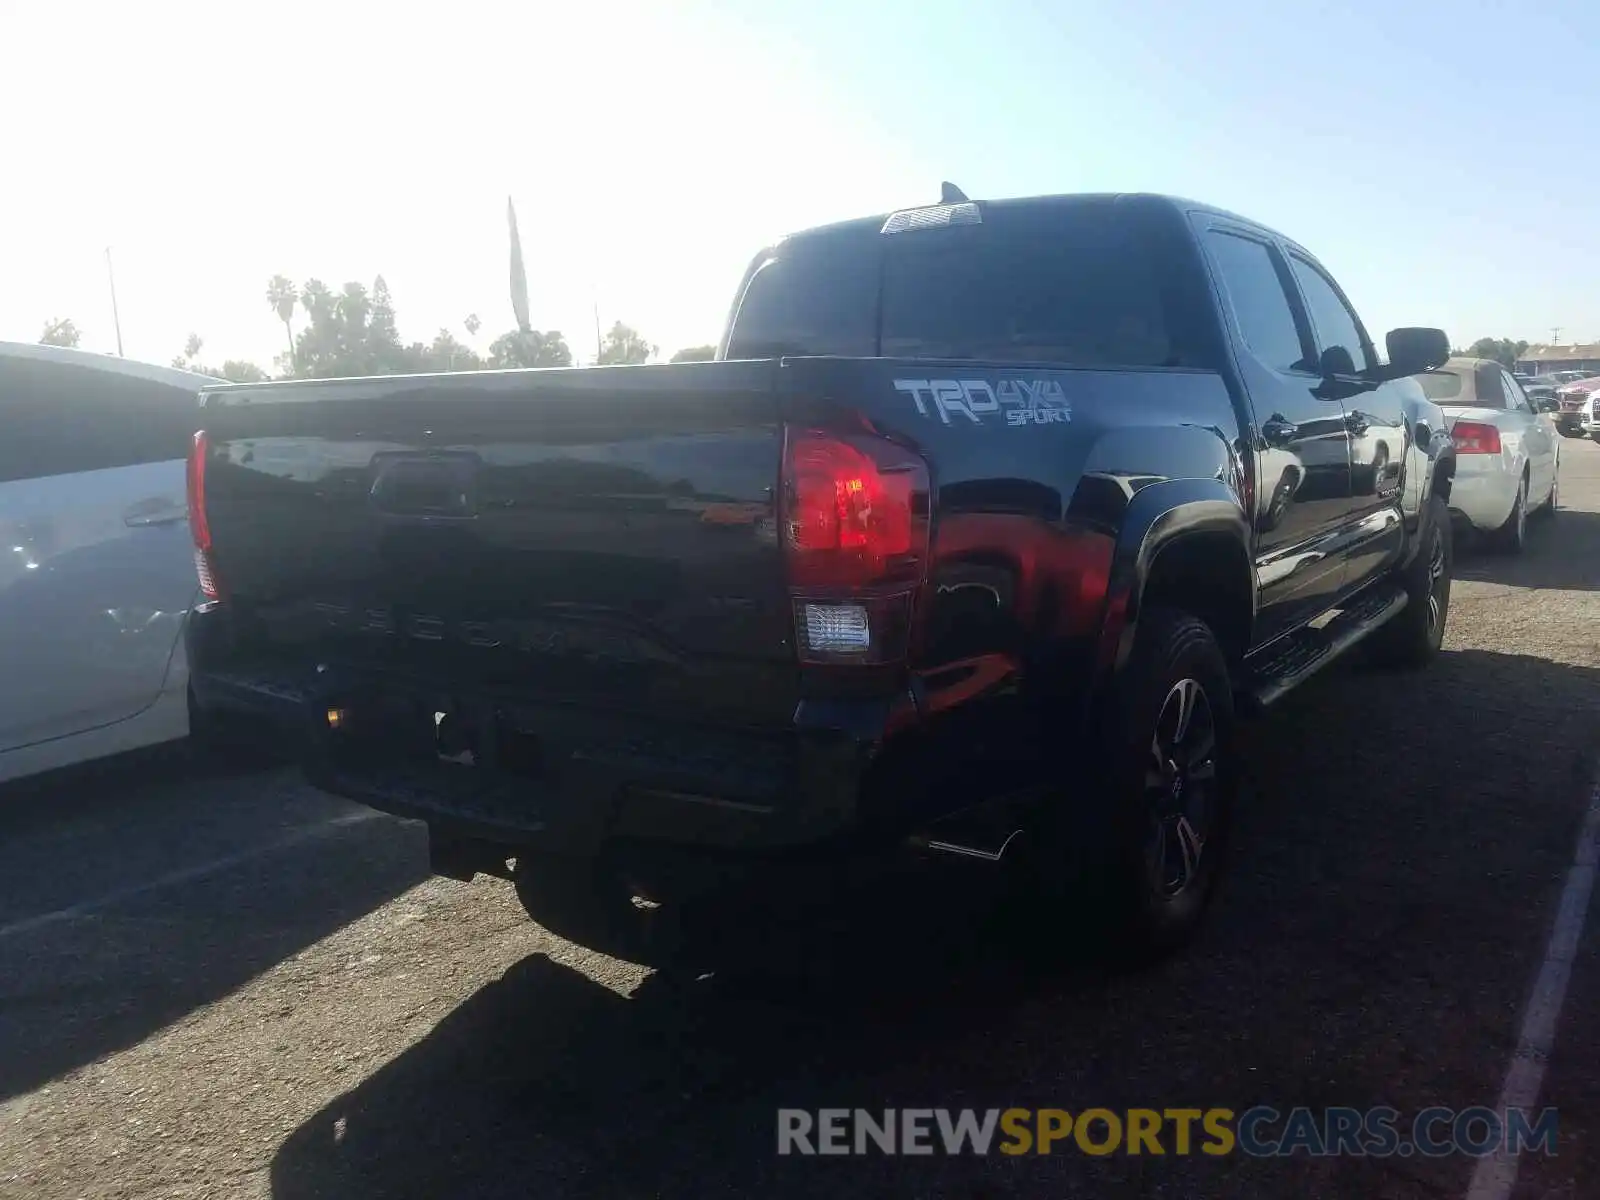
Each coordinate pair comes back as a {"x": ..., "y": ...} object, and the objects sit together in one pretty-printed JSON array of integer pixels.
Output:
[{"x": 986, "y": 522}]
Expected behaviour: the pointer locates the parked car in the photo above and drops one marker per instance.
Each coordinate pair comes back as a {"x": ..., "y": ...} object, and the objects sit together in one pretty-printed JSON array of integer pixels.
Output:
[
  {"x": 1570, "y": 402},
  {"x": 1507, "y": 452},
  {"x": 96, "y": 564},
  {"x": 1591, "y": 415},
  {"x": 961, "y": 545},
  {"x": 1543, "y": 393},
  {"x": 1574, "y": 400}
]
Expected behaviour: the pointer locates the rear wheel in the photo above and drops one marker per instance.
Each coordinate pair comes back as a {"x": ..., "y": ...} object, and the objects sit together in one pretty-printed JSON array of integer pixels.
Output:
[
  {"x": 1512, "y": 536},
  {"x": 1146, "y": 854}
]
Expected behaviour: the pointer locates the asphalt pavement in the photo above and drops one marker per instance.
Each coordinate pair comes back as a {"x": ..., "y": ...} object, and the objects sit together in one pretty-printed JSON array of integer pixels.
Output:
[{"x": 226, "y": 984}]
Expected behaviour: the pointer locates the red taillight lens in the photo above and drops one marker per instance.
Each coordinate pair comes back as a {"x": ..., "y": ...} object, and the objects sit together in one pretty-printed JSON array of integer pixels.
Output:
[
  {"x": 856, "y": 545},
  {"x": 1475, "y": 437},
  {"x": 199, "y": 524}
]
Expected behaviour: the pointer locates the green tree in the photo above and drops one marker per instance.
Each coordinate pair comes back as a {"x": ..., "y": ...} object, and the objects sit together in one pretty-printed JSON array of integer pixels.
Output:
[
  {"x": 234, "y": 370},
  {"x": 189, "y": 360},
  {"x": 283, "y": 296},
  {"x": 695, "y": 354},
  {"x": 624, "y": 345},
  {"x": 1502, "y": 350},
  {"x": 448, "y": 354},
  {"x": 533, "y": 349},
  {"x": 60, "y": 331},
  {"x": 351, "y": 332}
]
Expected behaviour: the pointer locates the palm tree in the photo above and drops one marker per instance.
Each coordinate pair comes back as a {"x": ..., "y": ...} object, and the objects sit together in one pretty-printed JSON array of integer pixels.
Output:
[{"x": 281, "y": 294}]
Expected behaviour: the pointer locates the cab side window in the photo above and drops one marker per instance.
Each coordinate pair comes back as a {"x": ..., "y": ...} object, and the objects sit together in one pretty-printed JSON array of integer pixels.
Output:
[
  {"x": 1336, "y": 327},
  {"x": 60, "y": 418},
  {"x": 1255, "y": 291}
]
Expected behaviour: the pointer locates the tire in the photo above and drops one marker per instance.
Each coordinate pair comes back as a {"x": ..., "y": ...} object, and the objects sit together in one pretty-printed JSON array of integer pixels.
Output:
[
  {"x": 1144, "y": 851},
  {"x": 1412, "y": 639},
  {"x": 1512, "y": 536},
  {"x": 579, "y": 901}
]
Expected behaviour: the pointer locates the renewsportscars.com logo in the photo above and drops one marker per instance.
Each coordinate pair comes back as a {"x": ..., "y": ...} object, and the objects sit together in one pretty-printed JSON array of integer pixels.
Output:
[{"x": 1260, "y": 1132}]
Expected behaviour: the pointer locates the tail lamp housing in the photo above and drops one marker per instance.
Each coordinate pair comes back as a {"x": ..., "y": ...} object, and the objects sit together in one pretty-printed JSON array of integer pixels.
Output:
[
  {"x": 1475, "y": 437},
  {"x": 855, "y": 543},
  {"x": 199, "y": 522}
]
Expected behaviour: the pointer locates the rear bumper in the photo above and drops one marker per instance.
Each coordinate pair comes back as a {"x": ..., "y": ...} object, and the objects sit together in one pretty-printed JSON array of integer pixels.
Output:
[
  {"x": 1483, "y": 491},
  {"x": 261, "y": 695},
  {"x": 560, "y": 781}
]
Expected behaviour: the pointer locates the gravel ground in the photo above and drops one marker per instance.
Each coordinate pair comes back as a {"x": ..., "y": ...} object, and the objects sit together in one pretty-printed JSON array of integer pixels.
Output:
[{"x": 232, "y": 986}]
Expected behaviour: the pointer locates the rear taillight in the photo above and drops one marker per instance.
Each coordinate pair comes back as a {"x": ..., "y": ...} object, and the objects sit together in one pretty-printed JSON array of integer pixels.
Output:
[
  {"x": 855, "y": 545},
  {"x": 1475, "y": 437},
  {"x": 199, "y": 524}
]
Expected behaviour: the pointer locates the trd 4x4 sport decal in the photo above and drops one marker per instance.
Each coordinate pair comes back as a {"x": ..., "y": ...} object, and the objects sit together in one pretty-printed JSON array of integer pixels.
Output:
[{"x": 1011, "y": 401}]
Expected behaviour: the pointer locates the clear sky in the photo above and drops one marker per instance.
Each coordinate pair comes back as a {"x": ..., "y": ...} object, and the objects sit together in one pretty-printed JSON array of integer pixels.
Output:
[{"x": 1436, "y": 156}]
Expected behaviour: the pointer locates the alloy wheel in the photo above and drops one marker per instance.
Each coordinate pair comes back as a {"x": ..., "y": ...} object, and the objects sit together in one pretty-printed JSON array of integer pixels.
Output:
[
  {"x": 1180, "y": 788},
  {"x": 1436, "y": 582}
]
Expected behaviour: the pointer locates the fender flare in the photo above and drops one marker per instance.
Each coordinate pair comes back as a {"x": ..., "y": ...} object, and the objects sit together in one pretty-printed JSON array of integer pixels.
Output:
[{"x": 1158, "y": 517}]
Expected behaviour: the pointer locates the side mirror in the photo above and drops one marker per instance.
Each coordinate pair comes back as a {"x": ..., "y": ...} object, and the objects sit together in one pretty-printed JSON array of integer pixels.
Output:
[
  {"x": 1546, "y": 404},
  {"x": 1415, "y": 350}
]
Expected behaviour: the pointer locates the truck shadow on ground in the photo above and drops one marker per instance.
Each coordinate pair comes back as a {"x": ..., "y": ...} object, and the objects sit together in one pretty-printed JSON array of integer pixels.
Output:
[
  {"x": 1402, "y": 841},
  {"x": 140, "y": 954},
  {"x": 1563, "y": 554}
]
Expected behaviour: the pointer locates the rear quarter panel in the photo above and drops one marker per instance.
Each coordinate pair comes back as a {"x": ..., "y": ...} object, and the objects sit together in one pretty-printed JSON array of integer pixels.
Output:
[{"x": 1039, "y": 536}]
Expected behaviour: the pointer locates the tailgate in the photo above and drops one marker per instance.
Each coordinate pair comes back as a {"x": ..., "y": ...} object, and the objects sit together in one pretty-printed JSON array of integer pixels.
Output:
[{"x": 595, "y": 538}]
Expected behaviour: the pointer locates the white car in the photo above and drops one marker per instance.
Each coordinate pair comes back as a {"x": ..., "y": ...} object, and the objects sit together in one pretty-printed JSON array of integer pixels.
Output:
[
  {"x": 1590, "y": 422},
  {"x": 1506, "y": 450},
  {"x": 96, "y": 564}
]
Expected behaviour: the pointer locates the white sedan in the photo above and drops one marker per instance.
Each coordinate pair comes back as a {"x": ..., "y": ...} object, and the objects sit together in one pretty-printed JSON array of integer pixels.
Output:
[
  {"x": 1506, "y": 449},
  {"x": 96, "y": 565}
]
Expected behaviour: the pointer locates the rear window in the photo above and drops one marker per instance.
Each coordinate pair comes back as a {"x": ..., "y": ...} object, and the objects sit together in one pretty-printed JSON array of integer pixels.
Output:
[
  {"x": 1440, "y": 386},
  {"x": 818, "y": 294},
  {"x": 1074, "y": 286}
]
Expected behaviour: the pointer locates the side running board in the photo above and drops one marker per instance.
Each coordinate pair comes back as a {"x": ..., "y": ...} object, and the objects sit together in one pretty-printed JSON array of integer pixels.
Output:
[{"x": 1292, "y": 661}]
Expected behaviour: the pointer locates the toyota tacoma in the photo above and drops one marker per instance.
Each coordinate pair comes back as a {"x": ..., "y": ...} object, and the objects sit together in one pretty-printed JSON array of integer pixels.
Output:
[{"x": 986, "y": 525}]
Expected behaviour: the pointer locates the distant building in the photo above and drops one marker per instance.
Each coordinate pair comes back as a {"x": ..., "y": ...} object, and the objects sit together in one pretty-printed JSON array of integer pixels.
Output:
[{"x": 1541, "y": 360}]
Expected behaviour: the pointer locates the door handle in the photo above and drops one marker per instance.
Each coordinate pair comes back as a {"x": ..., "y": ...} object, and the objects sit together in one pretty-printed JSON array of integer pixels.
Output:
[{"x": 1277, "y": 431}]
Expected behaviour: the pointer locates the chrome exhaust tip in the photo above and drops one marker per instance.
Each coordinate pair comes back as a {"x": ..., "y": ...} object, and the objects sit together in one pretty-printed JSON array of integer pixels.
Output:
[{"x": 987, "y": 853}]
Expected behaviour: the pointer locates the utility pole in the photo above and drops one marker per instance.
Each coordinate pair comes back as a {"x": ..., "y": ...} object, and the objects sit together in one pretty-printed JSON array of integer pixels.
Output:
[
  {"x": 1555, "y": 335},
  {"x": 115, "y": 319},
  {"x": 597, "y": 340}
]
